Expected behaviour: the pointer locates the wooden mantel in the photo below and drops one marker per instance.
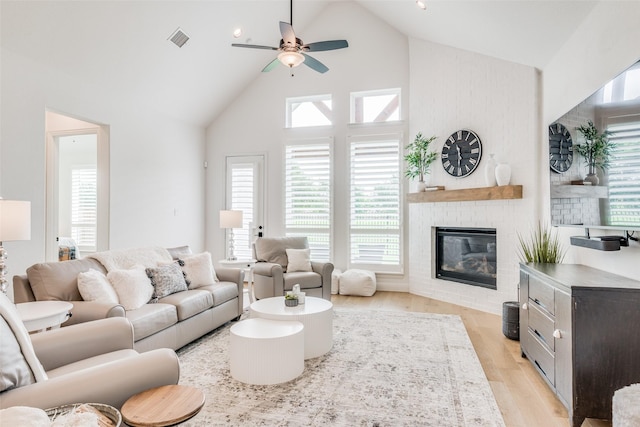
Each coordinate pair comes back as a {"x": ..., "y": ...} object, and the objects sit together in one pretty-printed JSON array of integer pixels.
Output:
[{"x": 467, "y": 194}]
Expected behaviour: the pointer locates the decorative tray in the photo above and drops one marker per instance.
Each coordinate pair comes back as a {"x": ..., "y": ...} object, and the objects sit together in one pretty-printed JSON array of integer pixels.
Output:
[{"x": 108, "y": 416}]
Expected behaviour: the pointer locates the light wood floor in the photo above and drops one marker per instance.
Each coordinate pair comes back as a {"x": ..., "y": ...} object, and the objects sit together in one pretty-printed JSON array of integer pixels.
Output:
[{"x": 523, "y": 397}]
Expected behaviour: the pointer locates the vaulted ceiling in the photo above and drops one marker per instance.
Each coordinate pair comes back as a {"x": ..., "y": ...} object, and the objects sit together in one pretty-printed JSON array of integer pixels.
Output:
[{"x": 123, "y": 46}]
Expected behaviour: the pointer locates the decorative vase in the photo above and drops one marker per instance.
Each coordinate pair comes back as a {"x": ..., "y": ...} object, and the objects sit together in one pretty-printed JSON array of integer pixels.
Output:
[
  {"x": 503, "y": 174},
  {"x": 490, "y": 172},
  {"x": 291, "y": 302},
  {"x": 421, "y": 186},
  {"x": 592, "y": 177}
]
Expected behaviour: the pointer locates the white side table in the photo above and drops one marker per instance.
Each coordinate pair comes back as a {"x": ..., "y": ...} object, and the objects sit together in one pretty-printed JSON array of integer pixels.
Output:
[
  {"x": 247, "y": 266},
  {"x": 40, "y": 315}
]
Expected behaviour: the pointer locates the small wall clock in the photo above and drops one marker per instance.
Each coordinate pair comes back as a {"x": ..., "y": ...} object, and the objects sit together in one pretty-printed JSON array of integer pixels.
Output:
[
  {"x": 461, "y": 153},
  {"x": 560, "y": 148}
]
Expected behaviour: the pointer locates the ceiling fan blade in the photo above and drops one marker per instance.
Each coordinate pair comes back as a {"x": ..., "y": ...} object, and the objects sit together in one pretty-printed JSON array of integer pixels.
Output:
[
  {"x": 254, "y": 46},
  {"x": 271, "y": 65},
  {"x": 288, "y": 36},
  {"x": 326, "y": 45},
  {"x": 315, "y": 64}
]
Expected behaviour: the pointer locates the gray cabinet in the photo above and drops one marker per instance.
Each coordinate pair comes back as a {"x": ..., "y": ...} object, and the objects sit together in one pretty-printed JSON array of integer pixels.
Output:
[{"x": 580, "y": 328}]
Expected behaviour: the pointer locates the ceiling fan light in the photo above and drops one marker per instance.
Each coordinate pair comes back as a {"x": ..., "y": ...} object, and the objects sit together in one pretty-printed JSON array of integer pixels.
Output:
[{"x": 291, "y": 59}]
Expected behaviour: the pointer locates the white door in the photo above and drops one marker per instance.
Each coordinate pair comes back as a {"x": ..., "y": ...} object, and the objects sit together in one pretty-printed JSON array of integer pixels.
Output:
[{"x": 245, "y": 192}]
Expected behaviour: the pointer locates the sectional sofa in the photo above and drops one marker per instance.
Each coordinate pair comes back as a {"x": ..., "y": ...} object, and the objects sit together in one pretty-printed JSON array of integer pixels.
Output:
[{"x": 172, "y": 320}]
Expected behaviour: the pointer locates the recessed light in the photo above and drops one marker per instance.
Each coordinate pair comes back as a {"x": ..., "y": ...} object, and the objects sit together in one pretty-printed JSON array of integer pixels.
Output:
[
  {"x": 237, "y": 32},
  {"x": 421, "y": 4}
]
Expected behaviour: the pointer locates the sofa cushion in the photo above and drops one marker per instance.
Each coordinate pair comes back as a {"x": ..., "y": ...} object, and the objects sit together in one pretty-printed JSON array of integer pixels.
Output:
[
  {"x": 222, "y": 292},
  {"x": 58, "y": 281},
  {"x": 198, "y": 270},
  {"x": 166, "y": 280},
  {"x": 94, "y": 286},
  {"x": 189, "y": 303},
  {"x": 179, "y": 252},
  {"x": 152, "y": 318},
  {"x": 273, "y": 249},
  {"x": 133, "y": 287},
  {"x": 306, "y": 280}
]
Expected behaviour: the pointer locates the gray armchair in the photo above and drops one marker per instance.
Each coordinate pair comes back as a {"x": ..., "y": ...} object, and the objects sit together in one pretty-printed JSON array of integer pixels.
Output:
[
  {"x": 270, "y": 275},
  {"x": 89, "y": 362}
]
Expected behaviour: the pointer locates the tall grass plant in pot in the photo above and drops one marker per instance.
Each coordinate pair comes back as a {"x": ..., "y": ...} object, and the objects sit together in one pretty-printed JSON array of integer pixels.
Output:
[
  {"x": 542, "y": 246},
  {"x": 596, "y": 150}
]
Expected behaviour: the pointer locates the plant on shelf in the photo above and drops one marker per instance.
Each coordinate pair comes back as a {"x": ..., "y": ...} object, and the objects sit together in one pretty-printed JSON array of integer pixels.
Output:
[
  {"x": 419, "y": 158},
  {"x": 596, "y": 150},
  {"x": 543, "y": 246}
]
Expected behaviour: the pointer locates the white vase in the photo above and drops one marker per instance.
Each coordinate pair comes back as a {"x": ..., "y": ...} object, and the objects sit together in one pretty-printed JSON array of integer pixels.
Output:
[
  {"x": 420, "y": 186},
  {"x": 503, "y": 174},
  {"x": 490, "y": 172}
]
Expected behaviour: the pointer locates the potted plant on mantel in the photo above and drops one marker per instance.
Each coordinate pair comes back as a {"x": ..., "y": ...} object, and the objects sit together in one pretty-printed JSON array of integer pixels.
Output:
[
  {"x": 596, "y": 150},
  {"x": 419, "y": 158}
]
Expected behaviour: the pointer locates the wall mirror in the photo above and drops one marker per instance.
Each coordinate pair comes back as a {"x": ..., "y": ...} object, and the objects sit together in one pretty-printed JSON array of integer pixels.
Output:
[{"x": 614, "y": 202}]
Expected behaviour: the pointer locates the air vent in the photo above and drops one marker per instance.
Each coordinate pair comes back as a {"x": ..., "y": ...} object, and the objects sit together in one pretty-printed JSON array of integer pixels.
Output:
[{"x": 179, "y": 38}]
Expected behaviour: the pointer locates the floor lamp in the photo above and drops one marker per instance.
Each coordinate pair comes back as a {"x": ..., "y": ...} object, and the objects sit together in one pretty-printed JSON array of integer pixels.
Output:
[
  {"x": 230, "y": 220},
  {"x": 15, "y": 224}
]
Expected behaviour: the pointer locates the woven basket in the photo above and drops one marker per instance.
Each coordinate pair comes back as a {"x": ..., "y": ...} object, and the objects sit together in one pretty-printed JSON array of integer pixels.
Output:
[{"x": 109, "y": 411}]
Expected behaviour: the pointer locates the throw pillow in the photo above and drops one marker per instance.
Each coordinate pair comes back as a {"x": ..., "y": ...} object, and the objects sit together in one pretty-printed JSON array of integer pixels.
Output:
[
  {"x": 198, "y": 270},
  {"x": 166, "y": 279},
  {"x": 299, "y": 260},
  {"x": 133, "y": 287},
  {"x": 94, "y": 286},
  {"x": 180, "y": 251},
  {"x": 18, "y": 360}
]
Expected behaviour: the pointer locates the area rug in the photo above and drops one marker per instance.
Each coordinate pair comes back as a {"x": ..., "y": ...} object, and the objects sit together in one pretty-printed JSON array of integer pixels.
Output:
[{"x": 385, "y": 369}]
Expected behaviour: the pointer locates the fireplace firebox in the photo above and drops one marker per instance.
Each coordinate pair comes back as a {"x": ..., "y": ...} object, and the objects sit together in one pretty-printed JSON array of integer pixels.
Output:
[{"x": 467, "y": 255}]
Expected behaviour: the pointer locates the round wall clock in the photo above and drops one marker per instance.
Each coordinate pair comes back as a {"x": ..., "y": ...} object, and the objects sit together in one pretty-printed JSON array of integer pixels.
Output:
[
  {"x": 560, "y": 148},
  {"x": 461, "y": 153}
]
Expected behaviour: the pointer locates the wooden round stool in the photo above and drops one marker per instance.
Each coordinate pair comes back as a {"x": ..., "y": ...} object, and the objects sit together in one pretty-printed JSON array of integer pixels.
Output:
[{"x": 162, "y": 406}]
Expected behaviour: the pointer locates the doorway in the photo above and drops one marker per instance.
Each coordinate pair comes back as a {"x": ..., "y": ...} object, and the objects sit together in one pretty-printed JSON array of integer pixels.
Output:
[{"x": 77, "y": 187}]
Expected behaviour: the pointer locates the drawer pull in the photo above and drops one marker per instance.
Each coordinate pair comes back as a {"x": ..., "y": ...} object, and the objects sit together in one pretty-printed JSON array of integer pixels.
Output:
[
  {"x": 557, "y": 333},
  {"x": 525, "y": 306}
]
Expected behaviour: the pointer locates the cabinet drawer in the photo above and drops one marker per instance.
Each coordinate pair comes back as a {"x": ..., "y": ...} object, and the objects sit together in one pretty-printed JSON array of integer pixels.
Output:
[
  {"x": 541, "y": 357},
  {"x": 542, "y": 294},
  {"x": 541, "y": 324}
]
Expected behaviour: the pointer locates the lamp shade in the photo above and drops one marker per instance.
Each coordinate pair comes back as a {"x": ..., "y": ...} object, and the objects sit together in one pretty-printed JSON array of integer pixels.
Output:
[
  {"x": 15, "y": 220},
  {"x": 291, "y": 59},
  {"x": 230, "y": 219}
]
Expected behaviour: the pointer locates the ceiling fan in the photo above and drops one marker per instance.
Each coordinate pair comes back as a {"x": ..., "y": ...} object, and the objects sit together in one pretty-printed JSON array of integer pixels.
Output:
[{"x": 293, "y": 50}]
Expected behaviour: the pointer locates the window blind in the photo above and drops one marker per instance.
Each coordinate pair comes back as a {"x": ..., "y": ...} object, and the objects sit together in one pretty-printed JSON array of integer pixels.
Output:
[
  {"x": 84, "y": 208},
  {"x": 308, "y": 195},
  {"x": 375, "y": 226},
  {"x": 624, "y": 174}
]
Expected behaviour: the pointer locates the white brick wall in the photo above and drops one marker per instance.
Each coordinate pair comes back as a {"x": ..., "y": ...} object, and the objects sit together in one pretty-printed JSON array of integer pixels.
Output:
[{"x": 453, "y": 89}]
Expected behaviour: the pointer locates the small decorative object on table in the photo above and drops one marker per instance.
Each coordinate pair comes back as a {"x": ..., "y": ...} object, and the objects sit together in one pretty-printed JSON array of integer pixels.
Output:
[
  {"x": 107, "y": 416},
  {"x": 291, "y": 299},
  {"x": 503, "y": 174}
]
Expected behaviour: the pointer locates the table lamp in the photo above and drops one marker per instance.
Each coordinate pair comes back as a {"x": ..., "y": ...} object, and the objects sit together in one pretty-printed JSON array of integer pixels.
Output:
[
  {"x": 15, "y": 224},
  {"x": 230, "y": 220}
]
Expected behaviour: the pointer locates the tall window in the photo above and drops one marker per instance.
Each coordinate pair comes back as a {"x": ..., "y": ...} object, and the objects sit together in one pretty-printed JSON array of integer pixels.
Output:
[
  {"x": 308, "y": 194},
  {"x": 375, "y": 225},
  {"x": 309, "y": 111},
  {"x": 624, "y": 174},
  {"x": 84, "y": 208},
  {"x": 375, "y": 106}
]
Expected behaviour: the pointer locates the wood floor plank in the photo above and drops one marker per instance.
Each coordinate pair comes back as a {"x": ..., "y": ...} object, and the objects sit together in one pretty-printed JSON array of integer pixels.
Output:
[{"x": 523, "y": 397}]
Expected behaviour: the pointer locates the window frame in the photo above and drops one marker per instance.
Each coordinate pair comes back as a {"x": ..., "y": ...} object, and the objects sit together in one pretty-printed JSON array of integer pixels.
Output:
[
  {"x": 355, "y": 110},
  {"x": 289, "y": 102}
]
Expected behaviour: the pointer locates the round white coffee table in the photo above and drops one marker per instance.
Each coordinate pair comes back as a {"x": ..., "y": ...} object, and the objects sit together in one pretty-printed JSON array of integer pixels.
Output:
[
  {"x": 40, "y": 315},
  {"x": 316, "y": 314},
  {"x": 263, "y": 351}
]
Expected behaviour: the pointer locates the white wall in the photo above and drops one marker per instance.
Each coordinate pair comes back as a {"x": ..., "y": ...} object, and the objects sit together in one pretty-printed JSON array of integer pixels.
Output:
[
  {"x": 376, "y": 58},
  {"x": 605, "y": 45},
  {"x": 452, "y": 89},
  {"x": 157, "y": 178}
]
